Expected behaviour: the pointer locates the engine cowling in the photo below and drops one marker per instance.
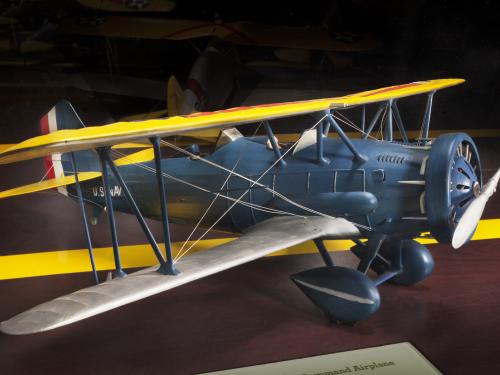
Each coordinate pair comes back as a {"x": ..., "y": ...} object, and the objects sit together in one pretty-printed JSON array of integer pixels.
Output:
[{"x": 452, "y": 179}]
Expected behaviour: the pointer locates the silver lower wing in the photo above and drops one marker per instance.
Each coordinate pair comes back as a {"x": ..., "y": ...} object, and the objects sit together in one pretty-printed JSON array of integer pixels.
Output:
[{"x": 265, "y": 238}]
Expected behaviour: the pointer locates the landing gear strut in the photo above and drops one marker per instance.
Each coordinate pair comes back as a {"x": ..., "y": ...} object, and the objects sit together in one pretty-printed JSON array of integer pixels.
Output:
[
  {"x": 347, "y": 295},
  {"x": 401, "y": 261}
]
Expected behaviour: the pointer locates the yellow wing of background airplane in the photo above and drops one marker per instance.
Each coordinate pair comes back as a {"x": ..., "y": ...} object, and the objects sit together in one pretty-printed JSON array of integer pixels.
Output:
[
  {"x": 27, "y": 46},
  {"x": 120, "y": 132},
  {"x": 7, "y": 20},
  {"x": 236, "y": 32},
  {"x": 130, "y": 5},
  {"x": 175, "y": 107}
]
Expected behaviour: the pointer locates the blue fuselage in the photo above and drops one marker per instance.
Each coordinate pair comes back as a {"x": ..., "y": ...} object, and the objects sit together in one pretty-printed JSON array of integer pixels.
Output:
[{"x": 382, "y": 192}]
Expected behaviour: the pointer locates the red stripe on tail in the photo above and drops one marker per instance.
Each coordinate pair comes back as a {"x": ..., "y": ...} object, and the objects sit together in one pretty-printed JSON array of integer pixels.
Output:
[
  {"x": 49, "y": 165},
  {"x": 44, "y": 124}
]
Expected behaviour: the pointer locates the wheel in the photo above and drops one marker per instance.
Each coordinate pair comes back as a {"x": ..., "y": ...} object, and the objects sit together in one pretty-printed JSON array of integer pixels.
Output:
[{"x": 345, "y": 295}]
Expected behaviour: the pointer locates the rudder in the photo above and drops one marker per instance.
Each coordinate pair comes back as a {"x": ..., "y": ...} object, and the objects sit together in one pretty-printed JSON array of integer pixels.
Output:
[{"x": 63, "y": 116}]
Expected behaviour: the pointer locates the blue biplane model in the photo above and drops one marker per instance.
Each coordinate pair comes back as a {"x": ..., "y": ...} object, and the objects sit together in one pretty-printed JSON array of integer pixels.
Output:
[{"x": 381, "y": 193}]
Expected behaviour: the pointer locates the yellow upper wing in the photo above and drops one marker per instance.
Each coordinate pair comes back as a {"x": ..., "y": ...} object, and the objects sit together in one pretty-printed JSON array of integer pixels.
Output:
[{"x": 120, "y": 132}]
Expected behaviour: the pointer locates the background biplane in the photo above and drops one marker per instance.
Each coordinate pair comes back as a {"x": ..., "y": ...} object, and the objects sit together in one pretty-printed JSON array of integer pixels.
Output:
[
  {"x": 276, "y": 195},
  {"x": 302, "y": 52},
  {"x": 130, "y": 5}
]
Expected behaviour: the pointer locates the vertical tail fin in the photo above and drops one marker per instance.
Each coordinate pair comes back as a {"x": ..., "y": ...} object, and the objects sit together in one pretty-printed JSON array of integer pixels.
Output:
[
  {"x": 63, "y": 116},
  {"x": 176, "y": 101}
]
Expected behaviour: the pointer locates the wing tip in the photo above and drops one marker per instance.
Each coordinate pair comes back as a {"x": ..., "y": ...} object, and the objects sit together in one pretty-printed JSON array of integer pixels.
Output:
[{"x": 17, "y": 328}]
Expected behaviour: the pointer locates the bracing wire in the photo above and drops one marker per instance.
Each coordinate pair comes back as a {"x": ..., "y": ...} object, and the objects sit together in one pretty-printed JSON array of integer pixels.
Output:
[
  {"x": 345, "y": 120},
  {"x": 241, "y": 197},
  {"x": 253, "y": 182},
  {"x": 152, "y": 170},
  {"x": 46, "y": 173},
  {"x": 247, "y": 204},
  {"x": 256, "y": 182},
  {"x": 382, "y": 123},
  {"x": 231, "y": 172},
  {"x": 251, "y": 186},
  {"x": 238, "y": 200}
]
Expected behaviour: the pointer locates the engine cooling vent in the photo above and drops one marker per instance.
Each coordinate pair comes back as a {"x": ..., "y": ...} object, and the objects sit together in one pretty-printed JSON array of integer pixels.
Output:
[{"x": 390, "y": 158}]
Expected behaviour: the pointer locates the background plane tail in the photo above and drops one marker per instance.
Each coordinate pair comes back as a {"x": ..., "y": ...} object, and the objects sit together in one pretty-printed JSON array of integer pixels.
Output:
[
  {"x": 176, "y": 100},
  {"x": 63, "y": 116}
]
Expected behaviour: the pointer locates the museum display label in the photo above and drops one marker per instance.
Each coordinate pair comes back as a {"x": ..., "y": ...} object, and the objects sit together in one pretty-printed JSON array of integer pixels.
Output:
[{"x": 402, "y": 358}]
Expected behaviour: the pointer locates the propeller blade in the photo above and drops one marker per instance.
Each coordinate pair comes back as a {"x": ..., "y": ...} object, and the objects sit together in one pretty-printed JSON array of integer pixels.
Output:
[{"x": 468, "y": 223}]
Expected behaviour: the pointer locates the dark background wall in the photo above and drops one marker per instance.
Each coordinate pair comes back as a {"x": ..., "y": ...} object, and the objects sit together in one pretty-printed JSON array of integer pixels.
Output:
[{"x": 415, "y": 40}]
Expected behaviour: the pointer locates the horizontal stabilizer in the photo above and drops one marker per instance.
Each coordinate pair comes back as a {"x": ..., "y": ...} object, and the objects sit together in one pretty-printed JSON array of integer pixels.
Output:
[
  {"x": 48, "y": 184},
  {"x": 266, "y": 237},
  {"x": 92, "y": 137},
  {"x": 142, "y": 156}
]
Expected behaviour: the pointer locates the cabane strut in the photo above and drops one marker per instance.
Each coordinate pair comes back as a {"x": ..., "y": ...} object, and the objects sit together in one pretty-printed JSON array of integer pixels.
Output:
[
  {"x": 427, "y": 116},
  {"x": 344, "y": 138},
  {"x": 274, "y": 144}
]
